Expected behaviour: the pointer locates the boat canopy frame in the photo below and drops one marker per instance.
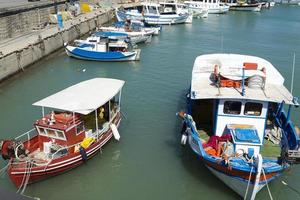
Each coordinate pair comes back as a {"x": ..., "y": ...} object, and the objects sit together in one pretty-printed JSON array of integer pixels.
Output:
[{"x": 84, "y": 97}]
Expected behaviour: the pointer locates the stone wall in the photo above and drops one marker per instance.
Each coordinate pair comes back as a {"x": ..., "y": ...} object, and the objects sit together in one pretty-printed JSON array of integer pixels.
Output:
[
  {"x": 50, "y": 40},
  {"x": 18, "y": 21}
]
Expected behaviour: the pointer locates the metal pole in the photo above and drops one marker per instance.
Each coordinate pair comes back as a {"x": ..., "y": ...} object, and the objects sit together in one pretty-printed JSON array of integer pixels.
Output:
[
  {"x": 293, "y": 73},
  {"x": 97, "y": 129},
  {"x": 109, "y": 110},
  {"x": 243, "y": 82},
  {"x": 120, "y": 94}
]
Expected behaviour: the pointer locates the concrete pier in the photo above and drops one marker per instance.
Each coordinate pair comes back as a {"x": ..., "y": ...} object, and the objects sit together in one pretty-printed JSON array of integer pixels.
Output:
[{"x": 21, "y": 51}]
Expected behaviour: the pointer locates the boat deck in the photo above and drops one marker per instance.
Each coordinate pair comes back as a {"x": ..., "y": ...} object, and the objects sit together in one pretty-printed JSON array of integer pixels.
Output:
[{"x": 268, "y": 149}]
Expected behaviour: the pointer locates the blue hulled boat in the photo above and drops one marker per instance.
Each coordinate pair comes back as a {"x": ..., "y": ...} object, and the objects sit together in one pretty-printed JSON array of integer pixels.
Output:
[
  {"x": 104, "y": 46},
  {"x": 235, "y": 108}
]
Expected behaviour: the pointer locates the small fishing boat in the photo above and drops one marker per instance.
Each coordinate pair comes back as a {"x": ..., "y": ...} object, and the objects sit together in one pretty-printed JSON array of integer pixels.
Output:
[
  {"x": 197, "y": 11},
  {"x": 84, "y": 117},
  {"x": 213, "y": 6},
  {"x": 245, "y": 6},
  {"x": 153, "y": 14},
  {"x": 136, "y": 34},
  {"x": 234, "y": 103},
  {"x": 133, "y": 26},
  {"x": 172, "y": 6},
  {"x": 104, "y": 46}
]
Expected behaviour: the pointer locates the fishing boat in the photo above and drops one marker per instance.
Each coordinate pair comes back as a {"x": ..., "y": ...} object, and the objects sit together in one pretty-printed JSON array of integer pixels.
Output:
[
  {"x": 137, "y": 34},
  {"x": 172, "y": 6},
  {"x": 104, "y": 46},
  {"x": 153, "y": 14},
  {"x": 135, "y": 37},
  {"x": 133, "y": 26},
  {"x": 197, "y": 11},
  {"x": 233, "y": 104},
  {"x": 81, "y": 119},
  {"x": 213, "y": 6},
  {"x": 245, "y": 6}
]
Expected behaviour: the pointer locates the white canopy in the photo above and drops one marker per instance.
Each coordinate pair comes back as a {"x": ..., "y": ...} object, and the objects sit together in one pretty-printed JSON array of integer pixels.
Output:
[
  {"x": 83, "y": 97},
  {"x": 202, "y": 86}
]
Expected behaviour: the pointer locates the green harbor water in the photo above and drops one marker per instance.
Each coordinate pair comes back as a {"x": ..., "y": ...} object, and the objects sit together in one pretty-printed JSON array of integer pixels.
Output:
[{"x": 149, "y": 162}]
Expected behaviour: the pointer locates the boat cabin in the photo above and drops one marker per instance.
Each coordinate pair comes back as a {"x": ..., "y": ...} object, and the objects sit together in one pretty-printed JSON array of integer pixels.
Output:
[
  {"x": 237, "y": 95},
  {"x": 62, "y": 132},
  {"x": 145, "y": 8},
  {"x": 105, "y": 42}
]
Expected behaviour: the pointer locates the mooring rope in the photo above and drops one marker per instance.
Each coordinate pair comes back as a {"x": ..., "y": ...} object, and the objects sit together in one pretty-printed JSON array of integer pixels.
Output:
[
  {"x": 269, "y": 191},
  {"x": 2, "y": 171},
  {"x": 248, "y": 183},
  {"x": 27, "y": 178}
]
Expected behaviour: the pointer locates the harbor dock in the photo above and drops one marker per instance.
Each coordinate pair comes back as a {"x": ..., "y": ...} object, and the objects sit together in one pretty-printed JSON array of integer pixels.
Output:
[{"x": 22, "y": 44}]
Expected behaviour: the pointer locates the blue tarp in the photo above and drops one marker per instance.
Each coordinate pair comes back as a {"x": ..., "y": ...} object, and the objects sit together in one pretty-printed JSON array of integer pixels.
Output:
[{"x": 249, "y": 135}]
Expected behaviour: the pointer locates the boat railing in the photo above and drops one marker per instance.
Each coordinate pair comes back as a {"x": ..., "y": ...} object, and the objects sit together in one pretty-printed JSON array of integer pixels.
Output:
[{"x": 29, "y": 134}]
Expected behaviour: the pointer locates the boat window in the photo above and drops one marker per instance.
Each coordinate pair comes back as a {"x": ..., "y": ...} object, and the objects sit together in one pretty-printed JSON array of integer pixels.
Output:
[
  {"x": 253, "y": 109},
  {"x": 79, "y": 128},
  {"x": 232, "y": 107},
  {"x": 152, "y": 10},
  {"x": 60, "y": 134},
  {"x": 51, "y": 133},
  {"x": 41, "y": 131}
]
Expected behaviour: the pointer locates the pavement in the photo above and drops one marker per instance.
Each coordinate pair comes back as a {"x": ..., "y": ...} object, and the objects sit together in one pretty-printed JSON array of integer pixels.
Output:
[{"x": 17, "y": 3}]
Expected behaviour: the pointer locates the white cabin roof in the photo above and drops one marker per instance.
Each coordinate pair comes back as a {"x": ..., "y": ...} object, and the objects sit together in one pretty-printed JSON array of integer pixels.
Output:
[
  {"x": 84, "y": 97},
  {"x": 203, "y": 87}
]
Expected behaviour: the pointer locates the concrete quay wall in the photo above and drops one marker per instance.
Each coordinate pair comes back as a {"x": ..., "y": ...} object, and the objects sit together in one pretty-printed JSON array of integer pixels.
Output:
[
  {"x": 23, "y": 19},
  {"x": 50, "y": 40}
]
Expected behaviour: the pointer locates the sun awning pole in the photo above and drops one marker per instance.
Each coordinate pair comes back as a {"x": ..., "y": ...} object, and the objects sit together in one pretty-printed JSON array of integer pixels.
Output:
[
  {"x": 96, "y": 119},
  {"x": 109, "y": 110},
  {"x": 120, "y": 99},
  {"x": 73, "y": 118},
  {"x": 243, "y": 81},
  {"x": 43, "y": 111}
]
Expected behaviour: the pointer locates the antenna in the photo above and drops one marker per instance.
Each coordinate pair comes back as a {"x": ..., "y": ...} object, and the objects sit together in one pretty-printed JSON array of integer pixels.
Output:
[{"x": 293, "y": 73}]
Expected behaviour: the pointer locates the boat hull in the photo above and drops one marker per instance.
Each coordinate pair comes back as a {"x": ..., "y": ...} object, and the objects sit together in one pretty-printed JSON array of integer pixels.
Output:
[
  {"x": 236, "y": 179},
  {"x": 220, "y": 10},
  {"x": 18, "y": 173},
  {"x": 251, "y": 8},
  {"x": 102, "y": 56},
  {"x": 237, "y": 185}
]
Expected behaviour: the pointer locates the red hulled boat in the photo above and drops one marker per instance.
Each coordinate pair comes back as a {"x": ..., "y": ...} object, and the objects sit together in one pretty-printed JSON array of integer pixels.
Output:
[{"x": 86, "y": 117}]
